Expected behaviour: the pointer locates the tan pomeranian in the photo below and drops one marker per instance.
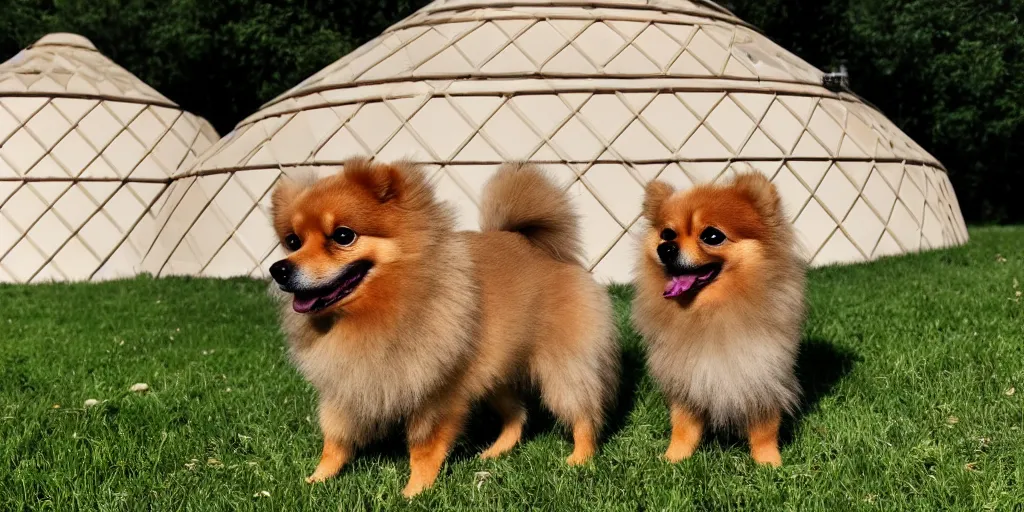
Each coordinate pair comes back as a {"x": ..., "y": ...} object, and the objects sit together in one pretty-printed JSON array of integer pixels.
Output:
[
  {"x": 393, "y": 316},
  {"x": 720, "y": 302}
]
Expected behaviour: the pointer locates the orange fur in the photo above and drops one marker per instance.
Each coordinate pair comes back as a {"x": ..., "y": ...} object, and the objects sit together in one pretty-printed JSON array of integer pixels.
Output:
[
  {"x": 334, "y": 456},
  {"x": 723, "y": 353},
  {"x": 444, "y": 319},
  {"x": 764, "y": 440}
]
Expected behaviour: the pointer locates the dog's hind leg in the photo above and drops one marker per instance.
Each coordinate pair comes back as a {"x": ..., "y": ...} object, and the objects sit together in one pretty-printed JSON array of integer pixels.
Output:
[
  {"x": 576, "y": 391},
  {"x": 513, "y": 418},
  {"x": 577, "y": 367}
]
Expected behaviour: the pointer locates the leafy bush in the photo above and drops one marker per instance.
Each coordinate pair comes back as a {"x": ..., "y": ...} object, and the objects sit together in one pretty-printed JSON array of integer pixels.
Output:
[{"x": 949, "y": 72}]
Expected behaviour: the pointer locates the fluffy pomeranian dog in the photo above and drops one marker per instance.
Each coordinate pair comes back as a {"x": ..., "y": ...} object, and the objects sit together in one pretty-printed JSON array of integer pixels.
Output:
[
  {"x": 720, "y": 302},
  {"x": 396, "y": 318}
]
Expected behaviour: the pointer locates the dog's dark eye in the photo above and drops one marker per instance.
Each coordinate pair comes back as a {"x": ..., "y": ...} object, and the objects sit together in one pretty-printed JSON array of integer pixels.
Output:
[
  {"x": 712, "y": 236},
  {"x": 343, "y": 236},
  {"x": 292, "y": 242},
  {"x": 668, "y": 234}
]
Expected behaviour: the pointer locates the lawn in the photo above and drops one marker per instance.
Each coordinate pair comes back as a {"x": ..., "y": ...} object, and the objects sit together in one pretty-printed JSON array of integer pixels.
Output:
[{"x": 913, "y": 369}]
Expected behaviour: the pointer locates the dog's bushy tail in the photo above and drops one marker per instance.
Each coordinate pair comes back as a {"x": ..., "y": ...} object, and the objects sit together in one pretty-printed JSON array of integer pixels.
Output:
[{"x": 521, "y": 199}]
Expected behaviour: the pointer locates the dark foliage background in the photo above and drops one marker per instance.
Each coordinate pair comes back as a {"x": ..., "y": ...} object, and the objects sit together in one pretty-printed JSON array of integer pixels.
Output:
[{"x": 949, "y": 72}]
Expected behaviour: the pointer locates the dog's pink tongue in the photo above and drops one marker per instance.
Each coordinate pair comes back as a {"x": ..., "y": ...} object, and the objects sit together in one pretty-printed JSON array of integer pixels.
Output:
[
  {"x": 678, "y": 285},
  {"x": 303, "y": 305}
]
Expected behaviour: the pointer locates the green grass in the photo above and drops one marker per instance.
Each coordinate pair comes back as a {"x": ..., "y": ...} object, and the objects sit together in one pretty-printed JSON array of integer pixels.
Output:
[{"x": 909, "y": 366}]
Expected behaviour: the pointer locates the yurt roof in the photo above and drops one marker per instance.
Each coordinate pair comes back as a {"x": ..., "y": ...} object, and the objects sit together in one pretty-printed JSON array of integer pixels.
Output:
[
  {"x": 69, "y": 65},
  {"x": 606, "y": 95}
]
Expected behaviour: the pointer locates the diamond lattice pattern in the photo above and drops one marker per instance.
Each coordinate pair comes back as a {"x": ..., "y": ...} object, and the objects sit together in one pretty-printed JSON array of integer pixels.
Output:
[{"x": 83, "y": 166}]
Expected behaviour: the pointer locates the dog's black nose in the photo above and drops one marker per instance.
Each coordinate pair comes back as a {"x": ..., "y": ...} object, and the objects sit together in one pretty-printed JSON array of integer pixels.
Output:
[
  {"x": 668, "y": 252},
  {"x": 282, "y": 271}
]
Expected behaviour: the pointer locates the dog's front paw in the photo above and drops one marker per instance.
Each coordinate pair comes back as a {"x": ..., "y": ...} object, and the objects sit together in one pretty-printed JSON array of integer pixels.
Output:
[
  {"x": 579, "y": 457},
  {"x": 767, "y": 457},
  {"x": 321, "y": 474},
  {"x": 413, "y": 488},
  {"x": 678, "y": 453}
]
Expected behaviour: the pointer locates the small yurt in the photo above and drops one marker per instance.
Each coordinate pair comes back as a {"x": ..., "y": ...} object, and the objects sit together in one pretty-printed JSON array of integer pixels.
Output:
[
  {"x": 86, "y": 152},
  {"x": 606, "y": 96}
]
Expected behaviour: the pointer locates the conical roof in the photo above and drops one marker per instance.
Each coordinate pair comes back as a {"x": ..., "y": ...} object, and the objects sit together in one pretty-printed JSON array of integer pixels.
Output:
[
  {"x": 607, "y": 96},
  {"x": 69, "y": 65},
  {"x": 86, "y": 152}
]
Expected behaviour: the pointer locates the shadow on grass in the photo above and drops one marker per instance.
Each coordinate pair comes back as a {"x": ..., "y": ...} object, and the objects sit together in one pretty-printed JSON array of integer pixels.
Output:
[{"x": 820, "y": 367}]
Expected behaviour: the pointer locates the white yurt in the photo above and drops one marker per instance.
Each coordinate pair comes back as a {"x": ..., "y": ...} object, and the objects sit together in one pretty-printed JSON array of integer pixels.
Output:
[
  {"x": 86, "y": 152},
  {"x": 606, "y": 96}
]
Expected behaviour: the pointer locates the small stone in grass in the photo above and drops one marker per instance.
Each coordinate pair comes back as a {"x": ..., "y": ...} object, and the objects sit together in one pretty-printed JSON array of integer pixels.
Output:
[
  {"x": 1011, "y": 391},
  {"x": 480, "y": 477},
  {"x": 261, "y": 494},
  {"x": 140, "y": 387},
  {"x": 952, "y": 420},
  {"x": 92, "y": 402},
  {"x": 56, "y": 406}
]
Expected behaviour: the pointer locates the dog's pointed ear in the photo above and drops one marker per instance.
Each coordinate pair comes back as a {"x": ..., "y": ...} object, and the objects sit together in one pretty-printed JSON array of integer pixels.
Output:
[
  {"x": 398, "y": 181},
  {"x": 285, "y": 193},
  {"x": 760, "y": 191},
  {"x": 381, "y": 180},
  {"x": 655, "y": 195}
]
